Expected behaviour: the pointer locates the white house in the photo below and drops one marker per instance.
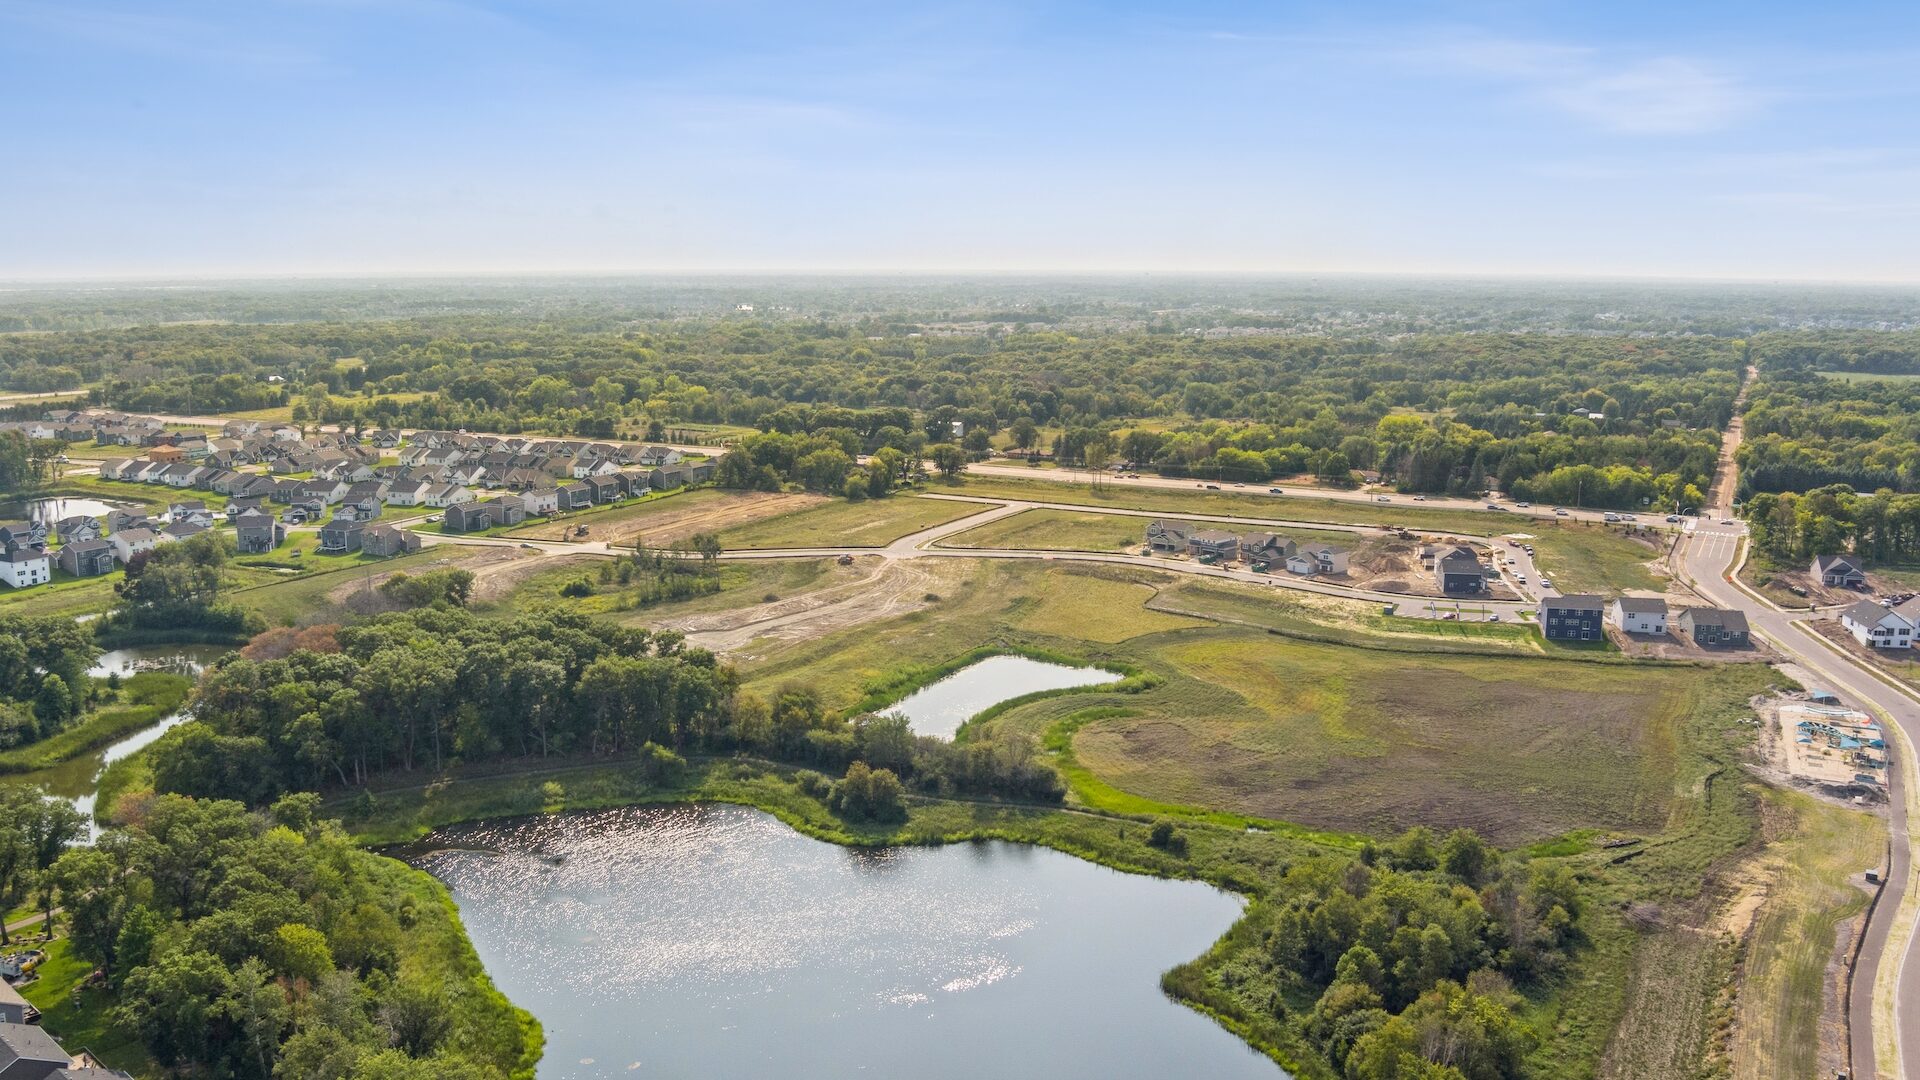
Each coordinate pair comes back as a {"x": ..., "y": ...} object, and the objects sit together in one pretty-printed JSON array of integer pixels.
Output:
[
  {"x": 24, "y": 566},
  {"x": 541, "y": 501},
  {"x": 1639, "y": 615},
  {"x": 407, "y": 493},
  {"x": 1875, "y": 626},
  {"x": 447, "y": 495},
  {"x": 1317, "y": 559},
  {"x": 129, "y": 542}
]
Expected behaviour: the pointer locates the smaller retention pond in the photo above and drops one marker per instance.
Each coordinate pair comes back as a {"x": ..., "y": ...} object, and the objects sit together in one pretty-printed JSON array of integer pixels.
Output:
[{"x": 940, "y": 708}]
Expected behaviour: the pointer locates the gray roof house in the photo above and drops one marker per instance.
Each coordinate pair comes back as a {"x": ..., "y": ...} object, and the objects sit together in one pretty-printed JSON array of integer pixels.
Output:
[
  {"x": 86, "y": 558},
  {"x": 385, "y": 540},
  {"x": 28, "y": 1053},
  {"x": 1838, "y": 572},
  {"x": 1714, "y": 626},
  {"x": 1168, "y": 537},
  {"x": 338, "y": 536},
  {"x": 1457, "y": 569}
]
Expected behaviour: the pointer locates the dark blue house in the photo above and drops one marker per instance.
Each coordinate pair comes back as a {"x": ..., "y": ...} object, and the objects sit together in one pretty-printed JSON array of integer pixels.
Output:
[{"x": 1573, "y": 618}]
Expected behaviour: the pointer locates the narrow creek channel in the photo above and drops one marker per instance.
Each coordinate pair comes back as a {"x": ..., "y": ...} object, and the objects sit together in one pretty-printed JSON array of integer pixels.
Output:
[{"x": 78, "y": 780}]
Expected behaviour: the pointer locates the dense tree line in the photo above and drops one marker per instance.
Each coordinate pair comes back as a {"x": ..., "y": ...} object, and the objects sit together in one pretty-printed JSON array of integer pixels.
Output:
[
  {"x": 264, "y": 946},
  {"x": 25, "y": 464},
  {"x": 1511, "y": 399},
  {"x": 1792, "y": 528},
  {"x": 44, "y": 685}
]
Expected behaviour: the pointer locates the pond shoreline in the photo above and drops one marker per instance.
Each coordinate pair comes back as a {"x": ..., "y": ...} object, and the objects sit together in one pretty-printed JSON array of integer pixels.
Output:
[
  {"x": 398, "y": 818},
  {"x": 655, "y": 836}
]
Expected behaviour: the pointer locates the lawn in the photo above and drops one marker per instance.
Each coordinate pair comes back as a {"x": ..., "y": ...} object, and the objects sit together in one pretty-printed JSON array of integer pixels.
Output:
[
  {"x": 81, "y": 1019},
  {"x": 286, "y": 602},
  {"x": 839, "y": 523},
  {"x": 1582, "y": 559},
  {"x": 64, "y": 596},
  {"x": 742, "y": 584},
  {"x": 1818, "y": 848},
  {"x": 1070, "y": 530}
]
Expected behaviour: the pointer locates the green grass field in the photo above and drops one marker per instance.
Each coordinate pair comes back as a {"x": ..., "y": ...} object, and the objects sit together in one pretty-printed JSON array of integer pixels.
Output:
[
  {"x": 1069, "y": 530},
  {"x": 874, "y": 523},
  {"x": 1580, "y": 559},
  {"x": 285, "y": 601},
  {"x": 1362, "y": 741}
]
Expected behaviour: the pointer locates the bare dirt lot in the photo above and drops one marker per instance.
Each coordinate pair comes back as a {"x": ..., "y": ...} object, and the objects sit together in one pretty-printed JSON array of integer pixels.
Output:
[
  {"x": 1391, "y": 565},
  {"x": 661, "y": 522},
  {"x": 869, "y": 590}
]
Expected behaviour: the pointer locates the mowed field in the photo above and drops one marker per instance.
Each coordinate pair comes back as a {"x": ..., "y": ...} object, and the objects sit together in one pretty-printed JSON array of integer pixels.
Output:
[
  {"x": 1071, "y": 530},
  {"x": 1363, "y": 741},
  {"x": 838, "y": 523}
]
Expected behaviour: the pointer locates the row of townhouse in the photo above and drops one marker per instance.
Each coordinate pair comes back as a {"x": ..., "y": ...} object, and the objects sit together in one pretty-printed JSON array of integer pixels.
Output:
[{"x": 1583, "y": 617}]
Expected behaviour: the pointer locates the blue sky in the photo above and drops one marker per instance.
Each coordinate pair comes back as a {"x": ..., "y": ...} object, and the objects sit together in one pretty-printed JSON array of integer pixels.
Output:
[{"x": 355, "y": 136}]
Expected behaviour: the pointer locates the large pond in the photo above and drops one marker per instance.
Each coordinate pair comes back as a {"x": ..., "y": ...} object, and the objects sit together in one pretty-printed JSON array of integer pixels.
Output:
[
  {"x": 54, "y": 508},
  {"x": 701, "y": 941},
  {"x": 78, "y": 779},
  {"x": 940, "y": 708}
]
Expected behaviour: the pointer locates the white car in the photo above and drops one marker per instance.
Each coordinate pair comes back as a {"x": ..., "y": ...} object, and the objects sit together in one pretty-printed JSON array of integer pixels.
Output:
[{"x": 1545, "y": 584}]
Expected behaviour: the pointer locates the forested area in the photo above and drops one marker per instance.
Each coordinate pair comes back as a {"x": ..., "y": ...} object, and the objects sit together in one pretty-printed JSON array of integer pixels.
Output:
[
  {"x": 1806, "y": 431},
  {"x": 44, "y": 685},
  {"x": 1402, "y": 964},
  {"x": 1438, "y": 412},
  {"x": 261, "y": 945}
]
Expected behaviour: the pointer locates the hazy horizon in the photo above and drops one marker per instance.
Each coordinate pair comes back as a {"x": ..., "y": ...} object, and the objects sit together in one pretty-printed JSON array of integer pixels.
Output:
[{"x": 334, "y": 138}]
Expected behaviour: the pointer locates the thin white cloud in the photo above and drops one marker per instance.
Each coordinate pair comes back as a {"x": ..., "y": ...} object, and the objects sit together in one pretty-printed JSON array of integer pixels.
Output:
[
  {"x": 1664, "y": 96},
  {"x": 165, "y": 36},
  {"x": 1613, "y": 88}
]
